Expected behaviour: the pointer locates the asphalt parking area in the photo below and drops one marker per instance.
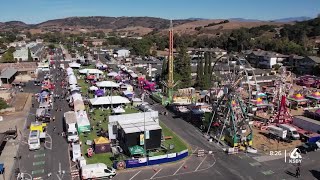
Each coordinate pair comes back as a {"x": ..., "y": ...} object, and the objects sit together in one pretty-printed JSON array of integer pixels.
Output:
[{"x": 191, "y": 165}]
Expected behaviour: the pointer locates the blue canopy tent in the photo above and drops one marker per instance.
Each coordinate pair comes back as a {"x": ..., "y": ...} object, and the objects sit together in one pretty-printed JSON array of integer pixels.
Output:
[{"x": 99, "y": 92}]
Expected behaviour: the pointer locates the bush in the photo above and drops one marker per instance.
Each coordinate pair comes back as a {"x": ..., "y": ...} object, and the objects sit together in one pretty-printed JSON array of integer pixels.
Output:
[{"x": 3, "y": 104}]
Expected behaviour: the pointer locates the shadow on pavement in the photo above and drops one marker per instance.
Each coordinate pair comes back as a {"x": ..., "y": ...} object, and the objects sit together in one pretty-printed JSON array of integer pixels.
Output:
[
  {"x": 291, "y": 173},
  {"x": 315, "y": 174}
]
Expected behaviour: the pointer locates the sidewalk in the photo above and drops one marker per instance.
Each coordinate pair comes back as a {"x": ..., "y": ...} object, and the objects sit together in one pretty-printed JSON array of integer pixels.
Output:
[{"x": 10, "y": 150}]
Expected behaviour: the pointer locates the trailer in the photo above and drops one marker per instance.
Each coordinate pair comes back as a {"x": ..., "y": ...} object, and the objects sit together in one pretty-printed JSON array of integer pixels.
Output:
[
  {"x": 70, "y": 126},
  {"x": 307, "y": 124}
]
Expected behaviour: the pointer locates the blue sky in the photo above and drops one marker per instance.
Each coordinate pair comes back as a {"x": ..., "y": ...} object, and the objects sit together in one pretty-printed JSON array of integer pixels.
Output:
[{"x": 35, "y": 11}]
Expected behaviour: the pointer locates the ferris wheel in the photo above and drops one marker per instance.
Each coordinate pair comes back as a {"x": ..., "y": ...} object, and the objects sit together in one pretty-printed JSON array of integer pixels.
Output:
[{"x": 230, "y": 120}]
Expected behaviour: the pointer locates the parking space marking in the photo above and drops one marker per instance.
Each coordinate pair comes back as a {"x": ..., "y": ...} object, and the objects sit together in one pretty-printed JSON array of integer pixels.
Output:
[
  {"x": 37, "y": 171},
  {"x": 195, "y": 150},
  {"x": 179, "y": 168},
  {"x": 267, "y": 172},
  {"x": 39, "y": 155},
  {"x": 201, "y": 163},
  {"x": 135, "y": 175},
  {"x": 255, "y": 164},
  {"x": 155, "y": 174},
  {"x": 38, "y": 163}
]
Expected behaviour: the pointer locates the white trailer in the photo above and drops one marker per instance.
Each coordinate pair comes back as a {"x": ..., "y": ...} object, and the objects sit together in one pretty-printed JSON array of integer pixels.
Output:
[
  {"x": 291, "y": 131},
  {"x": 277, "y": 131},
  {"x": 70, "y": 126}
]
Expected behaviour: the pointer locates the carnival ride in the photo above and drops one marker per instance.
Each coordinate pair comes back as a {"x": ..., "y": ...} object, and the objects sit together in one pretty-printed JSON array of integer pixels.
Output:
[
  {"x": 283, "y": 89},
  {"x": 230, "y": 119}
]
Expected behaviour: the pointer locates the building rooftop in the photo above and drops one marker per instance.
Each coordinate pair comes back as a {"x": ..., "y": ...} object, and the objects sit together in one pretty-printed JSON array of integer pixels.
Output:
[
  {"x": 8, "y": 73},
  {"x": 140, "y": 127}
]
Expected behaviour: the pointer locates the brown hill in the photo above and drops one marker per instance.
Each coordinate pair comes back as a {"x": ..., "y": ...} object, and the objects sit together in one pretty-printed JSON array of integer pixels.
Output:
[{"x": 191, "y": 27}]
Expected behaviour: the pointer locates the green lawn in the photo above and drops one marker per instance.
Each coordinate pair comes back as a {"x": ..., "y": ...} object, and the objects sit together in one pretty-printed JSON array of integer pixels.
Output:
[{"x": 179, "y": 145}]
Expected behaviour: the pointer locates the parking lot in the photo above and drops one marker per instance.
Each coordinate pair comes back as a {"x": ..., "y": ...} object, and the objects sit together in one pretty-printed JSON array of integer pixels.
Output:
[{"x": 191, "y": 164}]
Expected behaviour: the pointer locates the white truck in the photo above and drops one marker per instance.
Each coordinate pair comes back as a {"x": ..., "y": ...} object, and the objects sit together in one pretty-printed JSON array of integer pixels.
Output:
[
  {"x": 97, "y": 171},
  {"x": 34, "y": 140},
  {"x": 291, "y": 131},
  {"x": 70, "y": 126},
  {"x": 277, "y": 132}
]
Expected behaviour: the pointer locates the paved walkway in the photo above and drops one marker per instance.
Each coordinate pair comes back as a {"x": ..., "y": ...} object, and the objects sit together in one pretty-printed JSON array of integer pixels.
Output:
[{"x": 11, "y": 148}]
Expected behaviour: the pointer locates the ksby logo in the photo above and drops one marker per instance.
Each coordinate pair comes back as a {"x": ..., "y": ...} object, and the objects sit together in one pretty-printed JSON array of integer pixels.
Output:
[{"x": 294, "y": 156}]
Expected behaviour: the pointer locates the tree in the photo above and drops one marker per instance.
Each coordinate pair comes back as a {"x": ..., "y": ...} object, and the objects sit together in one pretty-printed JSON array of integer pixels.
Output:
[
  {"x": 7, "y": 57},
  {"x": 51, "y": 46},
  {"x": 29, "y": 55},
  {"x": 154, "y": 53},
  {"x": 3, "y": 104},
  {"x": 164, "y": 73},
  {"x": 183, "y": 68}
]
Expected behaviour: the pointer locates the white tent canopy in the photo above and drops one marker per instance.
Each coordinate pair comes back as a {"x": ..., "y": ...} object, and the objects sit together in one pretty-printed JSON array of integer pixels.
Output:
[
  {"x": 93, "y": 88},
  {"x": 72, "y": 79},
  {"x": 83, "y": 122},
  {"x": 107, "y": 100},
  {"x": 118, "y": 110},
  {"x": 112, "y": 74},
  {"x": 90, "y": 71},
  {"x": 69, "y": 71},
  {"x": 109, "y": 84},
  {"x": 74, "y": 65},
  {"x": 76, "y": 96}
]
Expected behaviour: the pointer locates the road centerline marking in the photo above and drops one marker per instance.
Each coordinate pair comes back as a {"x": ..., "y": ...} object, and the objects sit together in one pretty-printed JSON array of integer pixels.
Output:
[
  {"x": 179, "y": 168},
  {"x": 38, "y": 163},
  {"x": 201, "y": 163},
  {"x": 135, "y": 175},
  {"x": 39, "y": 155},
  {"x": 37, "y": 171},
  {"x": 155, "y": 174}
]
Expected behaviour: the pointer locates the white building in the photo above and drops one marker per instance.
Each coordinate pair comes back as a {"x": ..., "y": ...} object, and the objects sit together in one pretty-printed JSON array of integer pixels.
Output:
[
  {"x": 36, "y": 52},
  {"x": 121, "y": 53}
]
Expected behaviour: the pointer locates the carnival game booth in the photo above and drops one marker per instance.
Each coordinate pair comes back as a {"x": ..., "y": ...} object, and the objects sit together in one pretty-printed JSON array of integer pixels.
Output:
[
  {"x": 83, "y": 123},
  {"x": 297, "y": 101},
  {"x": 260, "y": 105},
  {"x": 314, "y": 98},
  {"x": 101, "y": 145}
]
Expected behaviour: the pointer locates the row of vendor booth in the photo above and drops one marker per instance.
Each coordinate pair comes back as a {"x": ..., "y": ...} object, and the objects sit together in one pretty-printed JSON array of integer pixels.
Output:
[{"x": 76, "y": 101}]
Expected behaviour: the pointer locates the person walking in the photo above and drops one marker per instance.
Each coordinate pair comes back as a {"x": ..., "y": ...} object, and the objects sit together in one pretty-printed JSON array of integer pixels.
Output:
[{"x": 298, "y": 172}]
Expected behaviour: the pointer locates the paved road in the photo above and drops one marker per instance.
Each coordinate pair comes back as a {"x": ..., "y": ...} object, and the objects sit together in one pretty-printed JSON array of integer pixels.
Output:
[
  {"x": 240, "y": 166},
  {"x": 55, "y": 157}
]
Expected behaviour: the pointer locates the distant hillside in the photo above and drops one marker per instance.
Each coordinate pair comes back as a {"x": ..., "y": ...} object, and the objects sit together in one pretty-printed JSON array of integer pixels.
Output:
[
  {"x": 293, "y": 19},
  {"x": 13, "y": 25},
  {"x": 135, "y": 25}
]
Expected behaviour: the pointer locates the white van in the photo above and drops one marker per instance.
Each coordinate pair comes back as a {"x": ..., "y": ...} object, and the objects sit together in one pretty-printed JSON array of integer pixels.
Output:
[
  {"x": 76, "y": 151},
  {"x": 291, "y": 131},
  {"x": 34, "y": 140},
  {"x": 98, "y": 170}
]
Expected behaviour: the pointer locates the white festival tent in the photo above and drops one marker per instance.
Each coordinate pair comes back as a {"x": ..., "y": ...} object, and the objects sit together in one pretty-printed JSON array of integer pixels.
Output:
[
  {"x": 93, "y": 88},
  {"x": 69, "y": 71},
  {"x": 91, "y": 71},
  {"x": 72, "y": 79},
  {"x": 83, "y": 122},
  {"x": 112, "y": 74},
  {"x": 108, "y": 100},
  {"x": 107, "y": 84},
  {"x": 74, "y": 65}
]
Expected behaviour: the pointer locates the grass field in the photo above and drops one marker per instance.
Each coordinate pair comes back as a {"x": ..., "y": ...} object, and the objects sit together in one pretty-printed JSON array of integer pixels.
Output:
[{"x": 179, "y": 145}]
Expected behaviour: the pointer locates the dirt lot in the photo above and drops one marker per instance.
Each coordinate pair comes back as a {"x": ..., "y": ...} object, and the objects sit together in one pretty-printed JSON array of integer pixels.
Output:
[
  {"x": 20, "y": 101},
  {"x": 264, "y": 144}
]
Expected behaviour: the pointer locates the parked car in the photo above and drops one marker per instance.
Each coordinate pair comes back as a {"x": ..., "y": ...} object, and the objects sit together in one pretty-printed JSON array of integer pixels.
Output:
[{"x": 308, "y": 147}]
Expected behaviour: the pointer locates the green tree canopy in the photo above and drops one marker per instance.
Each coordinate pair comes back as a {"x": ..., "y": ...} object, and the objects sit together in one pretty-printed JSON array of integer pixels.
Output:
[{"x": 29, "y": 55}]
